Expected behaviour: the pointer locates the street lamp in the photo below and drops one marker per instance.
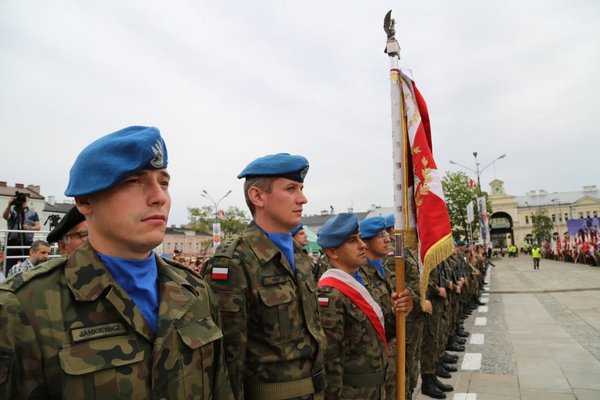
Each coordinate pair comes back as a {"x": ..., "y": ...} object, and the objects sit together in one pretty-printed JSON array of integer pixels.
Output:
[
  {"x": 477, "y": 171},
  {"x": 215, "y": 203}
]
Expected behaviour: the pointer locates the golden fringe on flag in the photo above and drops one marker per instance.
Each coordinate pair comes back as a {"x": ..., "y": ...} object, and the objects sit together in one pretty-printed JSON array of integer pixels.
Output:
[{"x": 439, "y": 252}]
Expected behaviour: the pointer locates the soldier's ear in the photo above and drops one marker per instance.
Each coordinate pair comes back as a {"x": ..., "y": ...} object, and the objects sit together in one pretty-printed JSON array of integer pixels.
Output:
[
  {"x": 256, "y": 196},
  {"x": 83, "y": 205}
]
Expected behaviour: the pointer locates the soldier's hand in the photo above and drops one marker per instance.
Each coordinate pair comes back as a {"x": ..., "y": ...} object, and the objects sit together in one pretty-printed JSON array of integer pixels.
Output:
[
  {"x": 402, "y": 302},
  {"x": 442, "y": 292},
  {"x": 428, "y": 307},
  {"x": 458, "y": 289}
]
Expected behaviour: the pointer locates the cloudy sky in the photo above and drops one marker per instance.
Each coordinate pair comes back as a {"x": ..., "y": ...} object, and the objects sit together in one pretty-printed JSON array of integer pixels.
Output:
[{"x": 228, "y": 81}]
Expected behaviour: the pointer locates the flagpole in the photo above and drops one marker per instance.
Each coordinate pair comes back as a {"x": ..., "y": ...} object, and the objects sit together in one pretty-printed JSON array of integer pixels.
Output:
[{"x": 399, "y": 138}]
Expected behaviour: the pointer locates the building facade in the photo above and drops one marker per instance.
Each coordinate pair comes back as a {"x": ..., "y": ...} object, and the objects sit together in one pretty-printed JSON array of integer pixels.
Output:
[{"x": 511, "y": 218}]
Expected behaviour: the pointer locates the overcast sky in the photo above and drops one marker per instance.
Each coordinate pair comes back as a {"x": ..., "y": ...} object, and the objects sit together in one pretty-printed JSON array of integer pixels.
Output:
[{"x": 228, "y": 81}]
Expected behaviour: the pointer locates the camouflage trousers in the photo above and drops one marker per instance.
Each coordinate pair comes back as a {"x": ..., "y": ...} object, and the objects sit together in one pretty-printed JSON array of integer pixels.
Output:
[
  {"x": 414, "y": 338},
  {"x": 429, "y": 344}
]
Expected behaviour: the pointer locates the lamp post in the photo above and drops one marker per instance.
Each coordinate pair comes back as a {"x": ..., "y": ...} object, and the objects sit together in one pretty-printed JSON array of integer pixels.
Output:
[
  {"x": 216, "y": 226},
  {"x": 478, "y": 171},
  {"x": 206, "y": 195}
]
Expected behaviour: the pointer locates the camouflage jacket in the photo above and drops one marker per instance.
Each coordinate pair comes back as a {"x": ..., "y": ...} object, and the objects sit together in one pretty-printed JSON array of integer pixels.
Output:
[
  {"x": 411, "y": 278},
  {"x": 270, "y": 313},
  {"x": 380, "y": 289},
  {"x": 70, "y": 331},
  {"x": 356, "y": 359}
]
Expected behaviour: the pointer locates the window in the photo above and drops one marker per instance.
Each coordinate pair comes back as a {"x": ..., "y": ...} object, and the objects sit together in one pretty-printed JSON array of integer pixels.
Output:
[
  {"x": 553, "y": 218},
  {"x": 595, "y": 214},
  {"x": 566, "y": 217},
  {"x": 588, "y": 214},
  {"x": 527, "y": 219},
  {"x": 580, "y": 214}
]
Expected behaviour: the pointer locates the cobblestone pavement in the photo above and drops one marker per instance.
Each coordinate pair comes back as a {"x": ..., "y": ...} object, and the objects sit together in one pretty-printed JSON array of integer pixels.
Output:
[{"x": 540, "y": 332}]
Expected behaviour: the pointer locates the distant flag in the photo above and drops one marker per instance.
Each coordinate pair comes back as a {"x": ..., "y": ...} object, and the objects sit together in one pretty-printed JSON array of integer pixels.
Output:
[
  {"x": 472, "y": 183},
  {"x": 221, "y": 213}
]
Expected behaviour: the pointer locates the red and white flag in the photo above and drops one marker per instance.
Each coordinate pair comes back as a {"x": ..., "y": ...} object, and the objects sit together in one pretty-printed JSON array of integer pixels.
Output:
[
  {"x": 424, "y": 185},
  {"x": 219, "y": 274},
  {"x": 472, "y": 183},
  {"x": 355, "y": 292}
]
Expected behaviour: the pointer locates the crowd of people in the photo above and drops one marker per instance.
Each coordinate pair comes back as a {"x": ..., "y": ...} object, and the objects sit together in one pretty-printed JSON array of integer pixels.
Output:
[{"x": 259, "y": 320}]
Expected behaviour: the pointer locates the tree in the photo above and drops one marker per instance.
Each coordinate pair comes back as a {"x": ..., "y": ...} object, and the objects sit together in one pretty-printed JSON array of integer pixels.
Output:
[
  {"x": 233, "y": 221},
  {"x": 458, "y": 194},
  {"x": 542, "y": 226}
]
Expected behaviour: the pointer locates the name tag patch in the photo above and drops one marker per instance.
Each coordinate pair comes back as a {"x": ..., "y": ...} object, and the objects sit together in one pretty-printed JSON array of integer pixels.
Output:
[{"x": 97, "y": 331}]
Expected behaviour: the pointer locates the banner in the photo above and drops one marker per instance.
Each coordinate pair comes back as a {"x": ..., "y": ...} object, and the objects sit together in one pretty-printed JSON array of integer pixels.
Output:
[
  {"x": 216, "y": 234},
  {"x": 584, "y": 231},
  {"x": 470, "y": 213},
  {"x": 484, "y": 228}
]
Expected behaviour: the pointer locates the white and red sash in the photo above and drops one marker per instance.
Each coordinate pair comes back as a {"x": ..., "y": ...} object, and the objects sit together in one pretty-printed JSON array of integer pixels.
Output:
[{"x": 353, "y": 290}]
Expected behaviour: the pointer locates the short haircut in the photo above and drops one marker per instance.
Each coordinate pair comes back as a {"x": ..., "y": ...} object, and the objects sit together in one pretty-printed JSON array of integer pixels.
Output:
[
  {"x": 264, "y": 183},
  {"x": 35, "y": 246}
]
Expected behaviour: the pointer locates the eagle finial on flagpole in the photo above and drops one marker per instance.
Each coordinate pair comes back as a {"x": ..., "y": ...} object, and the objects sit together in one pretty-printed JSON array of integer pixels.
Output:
[{"x": 392, "y": 48}]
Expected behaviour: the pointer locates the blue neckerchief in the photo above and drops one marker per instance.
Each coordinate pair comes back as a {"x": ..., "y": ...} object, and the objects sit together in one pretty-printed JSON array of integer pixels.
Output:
[
  {"x": 358, "y": 278},
  {"x": 139, "y": 278},
  {"x": 286, "y": 244},
  {"x": 378, "y": 264}
]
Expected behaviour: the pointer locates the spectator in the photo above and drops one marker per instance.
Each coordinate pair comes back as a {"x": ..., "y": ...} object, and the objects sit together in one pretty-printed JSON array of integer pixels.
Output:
[
  {"x": 70, "y": 233},
  {"x": 38, "y": 253},
  {"x": 19, "y": 217}
]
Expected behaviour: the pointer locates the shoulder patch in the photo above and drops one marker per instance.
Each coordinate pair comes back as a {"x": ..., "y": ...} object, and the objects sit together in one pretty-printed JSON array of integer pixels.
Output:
[
  {"x": 227, "y": 248},
  {"x": 17, "y": 281}
]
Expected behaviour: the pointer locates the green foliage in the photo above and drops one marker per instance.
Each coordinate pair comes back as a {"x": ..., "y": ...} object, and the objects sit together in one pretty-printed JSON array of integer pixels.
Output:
[
  {"x": 542, "y": 226},
  {"x": 233, "y": 222},
  {"x": 458, "y": 194}
]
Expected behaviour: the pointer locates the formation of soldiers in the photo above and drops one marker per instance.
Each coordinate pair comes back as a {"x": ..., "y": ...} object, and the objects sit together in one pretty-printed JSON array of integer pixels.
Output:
[{"x": 111, "y": 319}]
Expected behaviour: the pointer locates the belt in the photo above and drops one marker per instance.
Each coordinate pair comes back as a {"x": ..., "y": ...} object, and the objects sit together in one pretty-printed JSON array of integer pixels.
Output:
[
  {"x": 357, "y": 380},
  {"x": 286, "y": 389}
]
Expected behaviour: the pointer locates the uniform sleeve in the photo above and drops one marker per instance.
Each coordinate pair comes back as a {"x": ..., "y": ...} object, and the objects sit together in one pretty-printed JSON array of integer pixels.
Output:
[
  {"x": 221, "y": 388},
  {"x": 20, "y": 355},
  {"x": 229, "y": 285},
  {"x": 333, "y": 321}
]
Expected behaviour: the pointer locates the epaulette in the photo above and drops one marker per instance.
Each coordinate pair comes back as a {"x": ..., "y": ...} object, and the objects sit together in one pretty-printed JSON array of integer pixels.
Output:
[
  {"x": 227, "y": 248},
  {"x": 17, "y": 281}
]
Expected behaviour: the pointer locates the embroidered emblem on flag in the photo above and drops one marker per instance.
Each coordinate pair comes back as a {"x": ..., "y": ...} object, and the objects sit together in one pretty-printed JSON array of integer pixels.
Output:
[
  {"x": 323, "y": 301},
  {"x": 219, "y": 274}
]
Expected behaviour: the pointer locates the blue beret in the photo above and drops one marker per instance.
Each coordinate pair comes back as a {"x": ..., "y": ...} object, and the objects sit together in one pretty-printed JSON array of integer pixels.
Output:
[
  {"x": 337, "y": 230},
  {"x": 110, "y": 159},
  {"x": 297, "y": 229},
  {"x": 370, "y": 227},
  {"x": 281, "y": 165},
  {"x": 389, "y": 221}
]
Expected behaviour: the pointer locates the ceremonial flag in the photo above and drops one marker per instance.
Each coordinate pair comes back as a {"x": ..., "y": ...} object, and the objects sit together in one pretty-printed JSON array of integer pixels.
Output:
[
  {"x": 472, "y": 183},
  {"x": 433, "y": 229}
]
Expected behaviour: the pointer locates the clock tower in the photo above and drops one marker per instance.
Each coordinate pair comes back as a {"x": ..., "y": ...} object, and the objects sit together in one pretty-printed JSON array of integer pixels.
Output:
[{"x": 497, "y": 187}]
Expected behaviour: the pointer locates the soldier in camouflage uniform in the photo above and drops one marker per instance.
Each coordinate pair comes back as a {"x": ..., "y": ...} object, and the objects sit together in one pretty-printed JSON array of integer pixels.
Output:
[
  {"x": 373, "y": 233},
  {"x": 274, "y": 341},
  {"x": 113, "y": 320},
  {"x": 416, "y": 319},
  {"x": 354, "y": 322}
]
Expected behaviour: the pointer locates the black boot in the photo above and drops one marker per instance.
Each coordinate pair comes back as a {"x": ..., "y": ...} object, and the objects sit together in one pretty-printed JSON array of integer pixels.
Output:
[
  {"x": 454, "y": 357},
  {"x": 455, "y": 347},
  {"x": 457, "y": 340},
  {"x": 449, "y": 368},
  {"x": 429, "y": 388},
  {"x": 442, "y": 386},
  {"x": 441, "y": 371},
  {"x": 448, "y": 359},
  {"x": 462, "y": 333}
]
